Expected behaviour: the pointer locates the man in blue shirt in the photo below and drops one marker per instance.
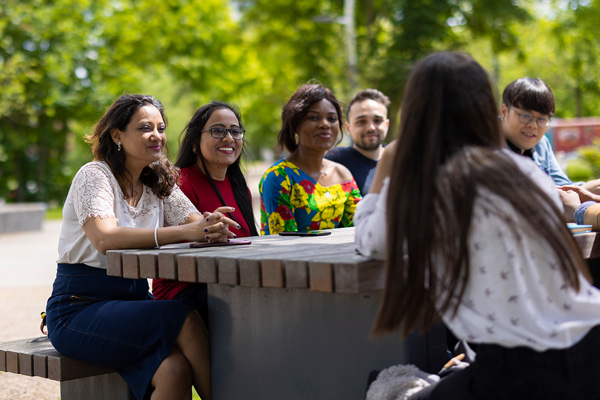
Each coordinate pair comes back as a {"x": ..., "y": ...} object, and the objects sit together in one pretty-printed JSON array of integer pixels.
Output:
[
  {"x": 527, "y": 107},
  {"x": 367, "y": 126}
]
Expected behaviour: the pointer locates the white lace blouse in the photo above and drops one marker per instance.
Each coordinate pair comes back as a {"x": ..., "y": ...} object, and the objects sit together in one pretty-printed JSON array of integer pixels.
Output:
[
  {"x": 96, "y": 193},
  {"x": 516, "y": 296}
]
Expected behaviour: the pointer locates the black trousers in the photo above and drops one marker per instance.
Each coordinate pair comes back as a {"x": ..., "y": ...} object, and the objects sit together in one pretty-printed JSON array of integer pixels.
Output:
[{"x": 500, "y": 373}]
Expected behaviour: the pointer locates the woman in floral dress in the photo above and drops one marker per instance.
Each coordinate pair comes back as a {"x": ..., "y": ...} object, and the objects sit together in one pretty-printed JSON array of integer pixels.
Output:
[{"x": 305, "y": 191}]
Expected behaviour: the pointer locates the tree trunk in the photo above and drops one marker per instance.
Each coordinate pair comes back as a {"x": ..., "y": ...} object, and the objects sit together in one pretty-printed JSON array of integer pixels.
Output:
[{"x": 578, "y": 100}]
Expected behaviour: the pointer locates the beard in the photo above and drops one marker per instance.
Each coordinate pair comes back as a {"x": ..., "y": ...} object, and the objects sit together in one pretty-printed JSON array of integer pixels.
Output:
[{"x": 367, "y": 145}]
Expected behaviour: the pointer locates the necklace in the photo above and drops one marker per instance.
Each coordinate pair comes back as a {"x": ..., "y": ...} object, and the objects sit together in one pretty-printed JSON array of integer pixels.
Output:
[{"x": 136, "y": 194}]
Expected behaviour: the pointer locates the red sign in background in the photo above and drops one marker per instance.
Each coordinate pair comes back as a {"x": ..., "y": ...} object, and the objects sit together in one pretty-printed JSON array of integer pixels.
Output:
[{"x": 569, "y": 134}]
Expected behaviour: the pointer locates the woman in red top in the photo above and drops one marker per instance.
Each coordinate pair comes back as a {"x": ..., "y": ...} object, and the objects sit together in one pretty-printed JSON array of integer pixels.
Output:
[{"x": 211, "y": 177}]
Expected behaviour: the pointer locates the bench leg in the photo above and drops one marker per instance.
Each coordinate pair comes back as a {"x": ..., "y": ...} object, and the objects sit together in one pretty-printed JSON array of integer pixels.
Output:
[{"x": 100, "y": 387}]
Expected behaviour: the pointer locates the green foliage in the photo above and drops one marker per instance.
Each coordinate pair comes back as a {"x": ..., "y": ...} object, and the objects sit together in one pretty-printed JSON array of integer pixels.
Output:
[
  {"x": 564, "y": 54},
  {"x": 63, "y": 62},
  {"x": 53, "y": 213},
  {"x": 578, "y": 45},
  {"x": 285, "y": 46},
  {"x": 579, "y": 170},
  {"x": 195, "y": 395},
  {"x": 41, "y": 54},
  {"x": 393, "y": 35},
  {"x": 590, "y": 156}
]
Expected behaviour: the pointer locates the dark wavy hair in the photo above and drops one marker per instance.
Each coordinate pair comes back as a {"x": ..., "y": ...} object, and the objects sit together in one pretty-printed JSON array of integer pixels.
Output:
[
  {"x": 296, "y": 109},
  {"x": 190, "y": 140},
  {"x": 448, "y": 149},
  {"x": 160, "y": 176},
  {"x": 529, "y": 94}
]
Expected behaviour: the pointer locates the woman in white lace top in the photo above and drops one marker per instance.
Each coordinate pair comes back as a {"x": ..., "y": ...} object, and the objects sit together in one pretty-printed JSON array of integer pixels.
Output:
[
  {"x": 128, "y": 198},
  {"x": 475, "y": 235}
]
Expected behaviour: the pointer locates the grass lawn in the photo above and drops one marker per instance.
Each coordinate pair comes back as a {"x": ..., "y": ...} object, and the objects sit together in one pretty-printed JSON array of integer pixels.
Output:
[{"x": 53, "y": 213}]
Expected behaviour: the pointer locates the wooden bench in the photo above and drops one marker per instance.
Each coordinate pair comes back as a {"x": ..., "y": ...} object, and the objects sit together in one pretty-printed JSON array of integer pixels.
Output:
[{"x": 78, "y": 379}]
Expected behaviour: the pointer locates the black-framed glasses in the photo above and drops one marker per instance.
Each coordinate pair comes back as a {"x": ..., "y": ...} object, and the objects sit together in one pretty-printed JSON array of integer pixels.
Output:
[
  {"x": 526, "y": 118},
  {"x": 220, "y": 133}
]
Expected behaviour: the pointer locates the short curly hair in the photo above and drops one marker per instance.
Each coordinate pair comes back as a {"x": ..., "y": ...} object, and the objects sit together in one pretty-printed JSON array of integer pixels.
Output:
[{"x": 296, "y": 109}]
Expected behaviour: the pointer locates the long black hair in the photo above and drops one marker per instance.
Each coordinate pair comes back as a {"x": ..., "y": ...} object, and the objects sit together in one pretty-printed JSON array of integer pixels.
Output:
[
  {"x": 190, "y": 140},
  {"x": 448, "y": 149}
]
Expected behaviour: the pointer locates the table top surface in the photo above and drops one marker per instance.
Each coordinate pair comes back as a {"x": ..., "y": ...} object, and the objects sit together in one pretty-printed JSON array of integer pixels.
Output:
[{"x": 321, "y": 263}]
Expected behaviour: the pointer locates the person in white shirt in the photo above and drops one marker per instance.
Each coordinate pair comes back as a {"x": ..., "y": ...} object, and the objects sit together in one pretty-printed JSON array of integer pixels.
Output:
[
  {"x": 128, "y": 198},
  {"x": 474, "y": 234}
]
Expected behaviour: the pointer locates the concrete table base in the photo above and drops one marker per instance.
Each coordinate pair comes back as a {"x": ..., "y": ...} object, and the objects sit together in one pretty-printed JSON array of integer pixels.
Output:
[{"x": 300, "y": 344}]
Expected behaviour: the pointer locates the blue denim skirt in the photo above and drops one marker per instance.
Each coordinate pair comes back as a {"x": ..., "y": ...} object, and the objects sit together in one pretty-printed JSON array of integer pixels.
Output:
[{"x": 114, "y": 322}]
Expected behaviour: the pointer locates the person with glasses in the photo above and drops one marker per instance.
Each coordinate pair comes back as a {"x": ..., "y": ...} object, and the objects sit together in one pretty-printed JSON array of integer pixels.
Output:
[
  {"x": 211, "y": 177},
  {"x": 305, "y": 191},
  {"x": 526, "y": 111}
]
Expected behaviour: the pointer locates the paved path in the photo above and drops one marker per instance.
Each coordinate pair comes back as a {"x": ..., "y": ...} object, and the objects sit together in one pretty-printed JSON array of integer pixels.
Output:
[
  {"x": 27, "y": 269},
  {"x": 29, "y": 258}
]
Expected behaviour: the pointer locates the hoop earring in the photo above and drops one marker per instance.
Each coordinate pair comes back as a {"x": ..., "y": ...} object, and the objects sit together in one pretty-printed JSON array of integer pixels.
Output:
[{"x": 119, "y": 146}]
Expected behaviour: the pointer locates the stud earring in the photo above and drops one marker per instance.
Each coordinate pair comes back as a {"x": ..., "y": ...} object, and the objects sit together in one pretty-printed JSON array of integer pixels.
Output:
[{"x": 119, "y": 146}]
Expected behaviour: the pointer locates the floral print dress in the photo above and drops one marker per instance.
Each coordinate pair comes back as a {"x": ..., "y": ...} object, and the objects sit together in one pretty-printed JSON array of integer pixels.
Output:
[{"x": 290, "y": 200}]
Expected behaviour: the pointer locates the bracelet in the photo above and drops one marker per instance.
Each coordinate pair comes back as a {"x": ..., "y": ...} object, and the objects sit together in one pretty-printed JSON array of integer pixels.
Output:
[{"x": 155, "y": 237}]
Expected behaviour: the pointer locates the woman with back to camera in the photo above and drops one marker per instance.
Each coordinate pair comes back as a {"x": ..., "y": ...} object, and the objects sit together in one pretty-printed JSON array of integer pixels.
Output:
[
  {"x": 306, "y": 191},
  {"x": 475, "y": 235},
  {"x": 211, "y": 177},
  {"x": 127, "y": 198}
]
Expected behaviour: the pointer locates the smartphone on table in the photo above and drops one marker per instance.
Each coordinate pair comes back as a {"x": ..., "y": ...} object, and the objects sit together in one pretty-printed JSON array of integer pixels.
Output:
[{"x": 309, "y": 233}]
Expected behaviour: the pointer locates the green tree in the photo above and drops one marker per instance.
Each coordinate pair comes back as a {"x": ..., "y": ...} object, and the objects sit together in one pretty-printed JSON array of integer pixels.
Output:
[
  {"x": 393, "y": 35},
  {"x": 577, "y": 42},
  {"x": 295, "y": 45},
  {"x": 288, "y": 43},
  {"x": 43, "y": 80},
  {"x": 63, "y": 62}
]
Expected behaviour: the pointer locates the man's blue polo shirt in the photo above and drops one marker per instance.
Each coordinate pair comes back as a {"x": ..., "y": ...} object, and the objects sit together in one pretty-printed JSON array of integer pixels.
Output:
[{"x": 543, "y": 155}]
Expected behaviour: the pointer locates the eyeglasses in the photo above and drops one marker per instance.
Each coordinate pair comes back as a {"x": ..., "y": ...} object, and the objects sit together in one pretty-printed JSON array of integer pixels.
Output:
[
  {"x": 220, "y": 133},
  {"x": 526, "y": 118}
]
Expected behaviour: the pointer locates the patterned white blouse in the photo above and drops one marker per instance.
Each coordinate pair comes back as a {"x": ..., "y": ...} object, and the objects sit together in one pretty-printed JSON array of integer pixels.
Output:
[
  {"x": 516, "y": 295},
  {"x": 95, "y": 192}
]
